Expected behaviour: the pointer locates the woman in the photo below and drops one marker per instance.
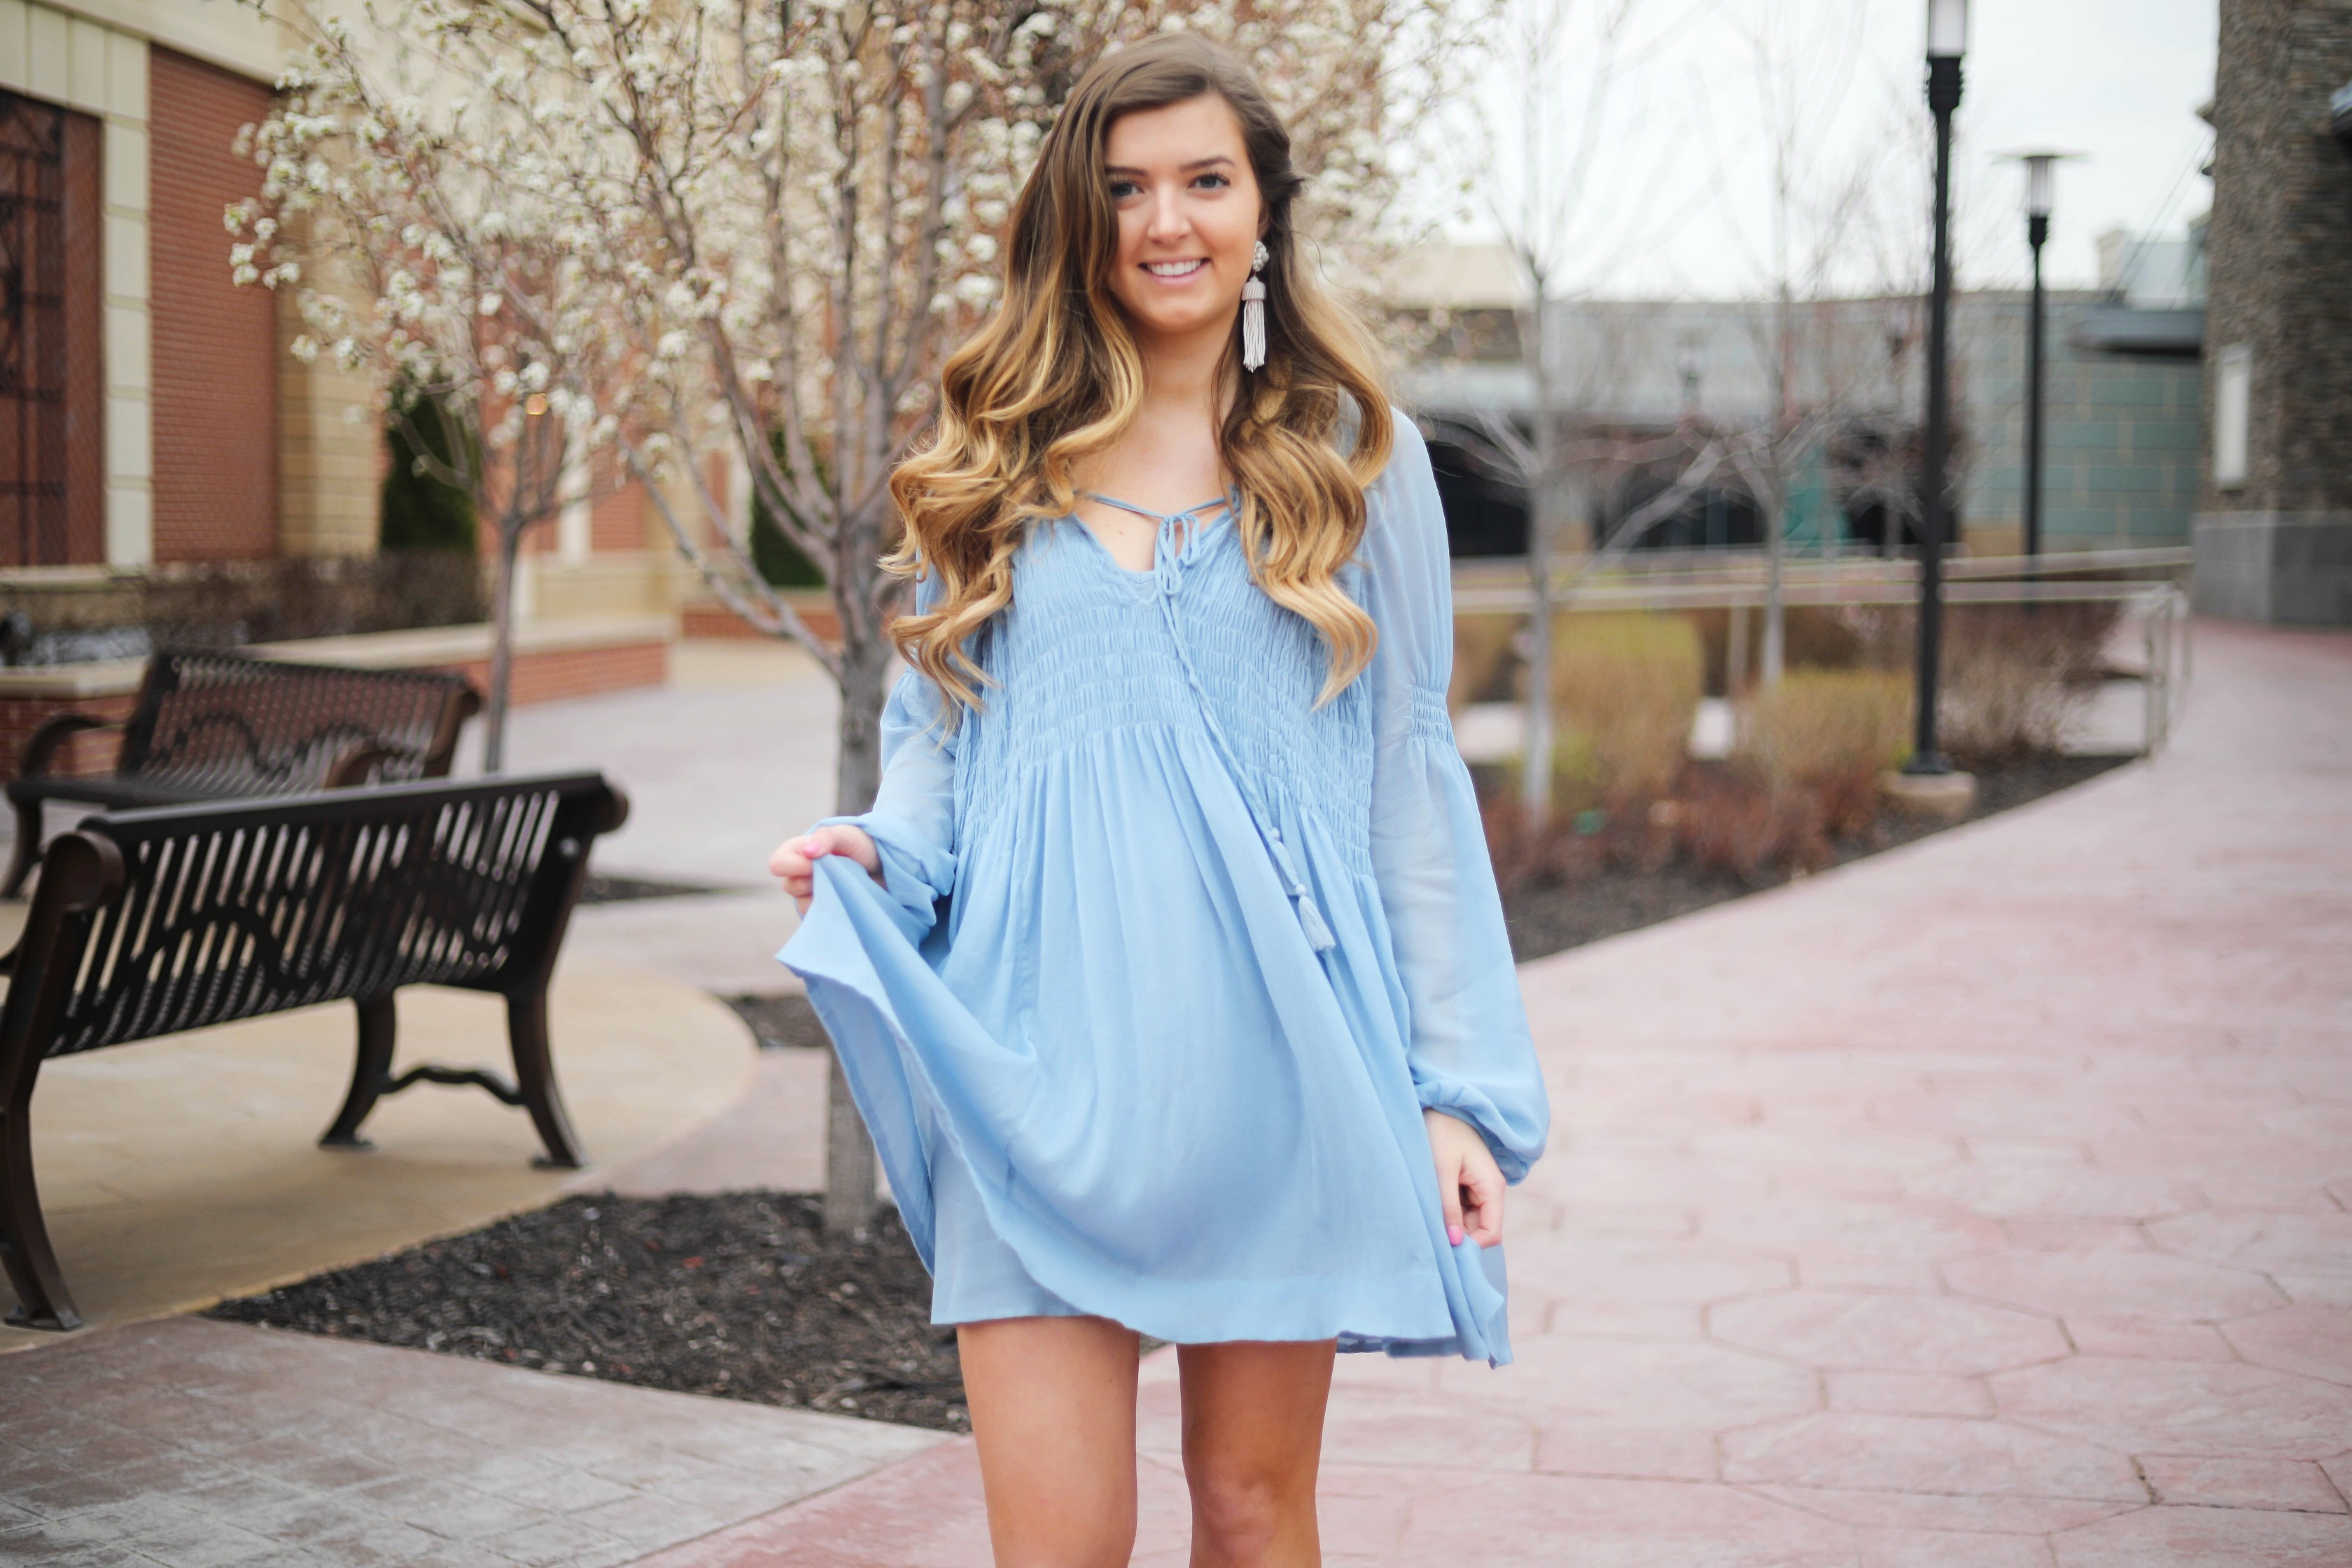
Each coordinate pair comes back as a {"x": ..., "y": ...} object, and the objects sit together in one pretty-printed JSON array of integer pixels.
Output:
[{"x": 1168, "y": 968}]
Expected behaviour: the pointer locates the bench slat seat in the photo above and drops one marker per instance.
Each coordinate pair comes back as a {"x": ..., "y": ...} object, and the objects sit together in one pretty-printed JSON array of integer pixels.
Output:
[{"x": 153, "y": 921}]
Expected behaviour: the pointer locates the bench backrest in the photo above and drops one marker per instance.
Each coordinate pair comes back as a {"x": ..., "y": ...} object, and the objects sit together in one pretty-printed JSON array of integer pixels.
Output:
[
  {"x": 222, "y": 725},
  {"x": 148, "y": 922}
]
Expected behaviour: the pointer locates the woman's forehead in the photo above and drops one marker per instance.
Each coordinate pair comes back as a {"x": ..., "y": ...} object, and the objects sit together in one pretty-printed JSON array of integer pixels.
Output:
[{"x": 1173, "y": 135}]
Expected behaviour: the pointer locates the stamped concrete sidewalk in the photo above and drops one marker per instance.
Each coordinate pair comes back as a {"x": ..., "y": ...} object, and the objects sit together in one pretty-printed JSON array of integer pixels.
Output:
[{"x": 1982, "y": 1204}]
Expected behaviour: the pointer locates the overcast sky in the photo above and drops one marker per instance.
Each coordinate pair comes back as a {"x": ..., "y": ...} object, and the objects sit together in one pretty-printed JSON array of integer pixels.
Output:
[{"x": 1679, "y": 198}]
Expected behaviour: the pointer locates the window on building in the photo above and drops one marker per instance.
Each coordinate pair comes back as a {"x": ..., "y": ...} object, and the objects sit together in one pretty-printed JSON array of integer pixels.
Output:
[
  {"x": 2233, "y": 390},
  {"x": 51, "y": 508}
]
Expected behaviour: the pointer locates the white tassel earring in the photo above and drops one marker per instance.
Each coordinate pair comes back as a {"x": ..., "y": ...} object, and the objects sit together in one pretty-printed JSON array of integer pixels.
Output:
[{"x": 1253, "y": 312}]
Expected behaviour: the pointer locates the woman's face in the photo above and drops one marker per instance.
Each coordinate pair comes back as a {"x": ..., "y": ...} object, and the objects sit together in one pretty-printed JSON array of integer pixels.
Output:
[{"x": 1189, "y": 215}]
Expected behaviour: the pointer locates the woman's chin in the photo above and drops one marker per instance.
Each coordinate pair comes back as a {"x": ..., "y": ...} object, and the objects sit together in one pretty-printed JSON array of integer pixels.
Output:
[{"x": 1176, "y": 324}]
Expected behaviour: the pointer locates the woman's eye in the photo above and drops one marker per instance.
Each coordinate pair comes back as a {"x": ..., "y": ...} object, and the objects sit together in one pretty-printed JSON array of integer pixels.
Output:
[
  {"x": 1122, "y": 189},
  {"x": 1214, "y": 182}
]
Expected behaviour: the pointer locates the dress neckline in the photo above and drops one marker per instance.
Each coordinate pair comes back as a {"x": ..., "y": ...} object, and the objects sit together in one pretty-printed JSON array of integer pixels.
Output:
[{"x": 1202, "y": 519}]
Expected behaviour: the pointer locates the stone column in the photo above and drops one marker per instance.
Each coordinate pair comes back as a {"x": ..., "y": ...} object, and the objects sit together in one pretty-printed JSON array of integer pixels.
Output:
[{"x": 2273, "y": 529}]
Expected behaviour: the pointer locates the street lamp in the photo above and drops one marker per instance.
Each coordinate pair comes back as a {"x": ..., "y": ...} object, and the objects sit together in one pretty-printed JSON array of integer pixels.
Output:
[
  {"x": 2039, "y": 179},
  {"x": 1947, "y": 40}
]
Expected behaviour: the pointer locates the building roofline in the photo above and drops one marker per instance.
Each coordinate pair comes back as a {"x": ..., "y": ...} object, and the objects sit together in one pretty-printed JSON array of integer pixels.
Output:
[{"x": 235, "y": 38}]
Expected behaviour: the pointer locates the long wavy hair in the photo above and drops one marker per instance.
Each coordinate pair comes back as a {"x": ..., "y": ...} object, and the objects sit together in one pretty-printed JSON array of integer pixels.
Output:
[{"x": 1056, "y": 376}]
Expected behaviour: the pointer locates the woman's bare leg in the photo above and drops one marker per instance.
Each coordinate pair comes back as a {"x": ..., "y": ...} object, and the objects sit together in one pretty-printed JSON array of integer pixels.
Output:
[
  {"x": 1252, "y": 1440},
  {"x": 1053, "y": 1407}
]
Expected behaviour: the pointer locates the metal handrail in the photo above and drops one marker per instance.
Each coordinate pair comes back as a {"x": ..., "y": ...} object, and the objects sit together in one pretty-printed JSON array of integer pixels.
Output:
[
  {"x": 1702, "y": 567},
  {"x": 2166, "y": 625}
]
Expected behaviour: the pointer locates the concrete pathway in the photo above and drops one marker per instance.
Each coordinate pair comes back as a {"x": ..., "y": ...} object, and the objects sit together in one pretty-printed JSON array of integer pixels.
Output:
[
  {"x": 733, "y": 755},
  {"x": 192, "y": 1444},
  {"x": 720, "y": 765},
  {"x": 178, "y": 1171},
  {"x": 1982, "y": 1204}
]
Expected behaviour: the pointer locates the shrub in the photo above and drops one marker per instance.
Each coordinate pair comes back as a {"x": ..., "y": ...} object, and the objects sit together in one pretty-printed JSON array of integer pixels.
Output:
[
  {"x": 1624, "y": 690},
  {"x": 1823, "y": 725},
  {"x": 777, "y": 559},
  {"x": 780, "y": 560},
  {"x": 416, "y": 512},
  {"x": 2015, "y": 678},
  {"x": 1733, "y": 826},
  {"x": 227, "y": 604}
]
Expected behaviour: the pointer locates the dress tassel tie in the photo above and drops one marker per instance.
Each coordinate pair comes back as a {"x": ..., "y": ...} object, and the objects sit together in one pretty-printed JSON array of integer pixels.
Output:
[{"x": 1176, "y": 544}]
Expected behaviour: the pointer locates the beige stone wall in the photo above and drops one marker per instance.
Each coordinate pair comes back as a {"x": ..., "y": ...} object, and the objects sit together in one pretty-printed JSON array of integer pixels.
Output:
[
  {"x": 331, "y": 451},
  {"x": 610, "y": 583},
  {"x": 226, "y": 33}
]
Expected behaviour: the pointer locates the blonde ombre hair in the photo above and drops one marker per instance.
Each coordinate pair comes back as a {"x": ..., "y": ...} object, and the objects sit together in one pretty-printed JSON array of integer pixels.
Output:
[{"x": 1056, "y": 376}]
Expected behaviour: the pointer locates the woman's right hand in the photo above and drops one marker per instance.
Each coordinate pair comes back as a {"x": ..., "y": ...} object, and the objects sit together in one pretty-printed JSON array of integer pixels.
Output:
[{"x": 795, "y": 858}]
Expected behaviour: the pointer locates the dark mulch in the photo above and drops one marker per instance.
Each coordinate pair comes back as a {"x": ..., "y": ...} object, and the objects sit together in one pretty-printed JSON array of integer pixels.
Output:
[
  {"x": 601, "y": 888},
  {"x": 1551, "y": 917},
  {"x": 741, "y": 1295},
  {"x": 780, "y": 1023}
]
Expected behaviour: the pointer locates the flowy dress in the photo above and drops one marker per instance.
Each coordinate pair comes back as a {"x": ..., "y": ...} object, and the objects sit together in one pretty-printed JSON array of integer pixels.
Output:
[{"x": 1166, "y": 960}]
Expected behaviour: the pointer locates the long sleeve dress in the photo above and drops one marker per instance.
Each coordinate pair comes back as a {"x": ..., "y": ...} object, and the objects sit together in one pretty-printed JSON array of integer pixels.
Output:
[{"x": 1167, "y": 960}]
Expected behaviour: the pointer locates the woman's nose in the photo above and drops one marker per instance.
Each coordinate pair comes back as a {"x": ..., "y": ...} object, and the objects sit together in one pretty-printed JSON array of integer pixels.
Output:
[{"x": 1167, "y": 216}]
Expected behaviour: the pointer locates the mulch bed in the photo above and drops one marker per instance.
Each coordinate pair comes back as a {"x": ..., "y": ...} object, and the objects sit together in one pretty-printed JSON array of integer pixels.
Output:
[
  {"x": 741, "y": 1295},
  {"x": 602, "y": 889},
  {"x": 780, "y": 1023},
  {"x": 1545, "y": 918}
]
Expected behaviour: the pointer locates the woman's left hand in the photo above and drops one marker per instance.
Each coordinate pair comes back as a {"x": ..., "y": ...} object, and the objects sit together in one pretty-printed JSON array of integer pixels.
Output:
[{"x": 1469, "y": 1183}]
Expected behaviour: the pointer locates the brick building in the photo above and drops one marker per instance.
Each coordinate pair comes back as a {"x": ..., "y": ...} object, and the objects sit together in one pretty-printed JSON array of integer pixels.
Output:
[
  {"x": 2120, "y": 462},
  {"x": 2273, "y": 529},
  {"x": 152, "y": 425},
  {"x": 150, "y": 417}
]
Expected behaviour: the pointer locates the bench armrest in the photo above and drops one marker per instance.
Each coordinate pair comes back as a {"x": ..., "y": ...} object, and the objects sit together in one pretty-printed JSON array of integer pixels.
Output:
[
  {"x": 49, "y": 737},
  {"x": 358, "y": 765}
]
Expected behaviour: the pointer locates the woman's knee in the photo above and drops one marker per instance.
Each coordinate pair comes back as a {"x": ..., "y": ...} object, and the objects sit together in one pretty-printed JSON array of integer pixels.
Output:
[{"x": 1245, "y": 1514}]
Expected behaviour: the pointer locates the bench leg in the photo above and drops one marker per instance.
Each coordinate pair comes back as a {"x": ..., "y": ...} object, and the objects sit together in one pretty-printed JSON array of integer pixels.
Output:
[
  {"x": 43, "y": 1302},
  {"x": 28, "y": 849},
  {"x": 535, "y": 1078},
  {"x": 371, "y": 1073}
]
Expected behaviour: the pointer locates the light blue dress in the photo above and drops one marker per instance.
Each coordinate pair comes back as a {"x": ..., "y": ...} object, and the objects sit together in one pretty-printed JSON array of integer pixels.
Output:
[{"x": 1167, "y": 959}]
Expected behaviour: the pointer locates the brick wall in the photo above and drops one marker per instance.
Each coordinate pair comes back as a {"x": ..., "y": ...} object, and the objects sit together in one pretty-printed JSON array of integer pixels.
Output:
[
  {"x": 92, "y": 751},
  {"x": 618, "y": 521},
  {"x": 215, "y": 344},
  {"x": 2281, "y": 230},
  {"x": 552, "y": 675}
]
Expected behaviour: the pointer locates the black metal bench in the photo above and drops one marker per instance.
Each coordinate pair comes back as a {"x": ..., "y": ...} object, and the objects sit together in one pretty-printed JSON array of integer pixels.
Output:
[
  {"x": 149, "y": 923},
  {"x": 218, "y": 726}
]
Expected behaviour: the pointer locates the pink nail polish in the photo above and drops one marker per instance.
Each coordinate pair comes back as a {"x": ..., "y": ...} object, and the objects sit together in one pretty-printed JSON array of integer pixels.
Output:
[{"x": 1453, "y": 1234}]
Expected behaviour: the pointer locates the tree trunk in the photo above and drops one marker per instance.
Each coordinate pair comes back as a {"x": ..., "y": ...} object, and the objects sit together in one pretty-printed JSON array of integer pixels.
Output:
[
  {"x": 1535, "y": 764},
  {"x": 865, "y": 684},
  {"x": 494, "y": 715},
  {"x": 849, "y": 1161},
  {"x": 1776, "y": 527},
  {"x": 865, "y": 665}
]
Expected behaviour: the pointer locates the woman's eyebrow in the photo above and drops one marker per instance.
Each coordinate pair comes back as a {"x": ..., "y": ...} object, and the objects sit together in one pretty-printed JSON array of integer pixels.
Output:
[{"x": 1209, "y": 162}]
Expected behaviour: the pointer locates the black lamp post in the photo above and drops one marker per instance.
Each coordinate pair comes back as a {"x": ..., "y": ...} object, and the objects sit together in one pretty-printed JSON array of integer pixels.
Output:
[
  {"x": 2039, "y": 179},
  {"x": 1947, "y": 40}
]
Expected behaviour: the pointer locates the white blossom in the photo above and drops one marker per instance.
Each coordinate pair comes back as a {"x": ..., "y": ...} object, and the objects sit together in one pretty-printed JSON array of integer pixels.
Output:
[{"x": 686, "y": 222}]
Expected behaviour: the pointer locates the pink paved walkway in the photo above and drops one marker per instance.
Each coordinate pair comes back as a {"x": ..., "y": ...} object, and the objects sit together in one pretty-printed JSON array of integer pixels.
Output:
[{"x": 1981, "y": 1205}]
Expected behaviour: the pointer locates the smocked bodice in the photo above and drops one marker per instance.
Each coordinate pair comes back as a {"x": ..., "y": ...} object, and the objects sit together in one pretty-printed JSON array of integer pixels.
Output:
[{"x": 1088, "y": 646}]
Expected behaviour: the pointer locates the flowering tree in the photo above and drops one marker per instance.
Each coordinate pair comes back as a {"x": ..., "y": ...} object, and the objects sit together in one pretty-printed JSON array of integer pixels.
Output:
[
  {"x": 745, "y": 226},
  {"x": 466, "y": 296}
]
